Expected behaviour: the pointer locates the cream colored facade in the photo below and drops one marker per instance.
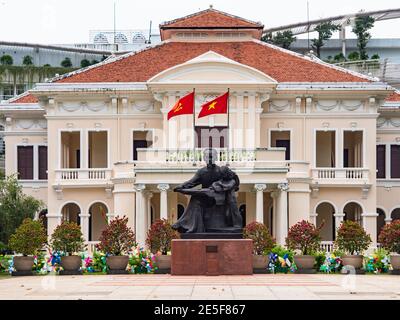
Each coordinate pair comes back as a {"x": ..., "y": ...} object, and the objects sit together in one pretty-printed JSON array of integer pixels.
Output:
[{"x": 90, "y": 128}]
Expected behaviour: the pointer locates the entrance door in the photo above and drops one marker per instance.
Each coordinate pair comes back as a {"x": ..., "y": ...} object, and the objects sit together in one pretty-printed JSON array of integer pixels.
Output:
[
  {"x": 212, "y": 137},
  {"x": 138, "y": 144},
  {"x": 284, "y": 144}
]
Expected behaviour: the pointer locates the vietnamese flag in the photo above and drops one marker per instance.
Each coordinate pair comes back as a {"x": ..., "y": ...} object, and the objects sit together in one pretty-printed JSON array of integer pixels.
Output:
[
  {"x": 218, "y": 105},
  {"x": 184, "y": 105}
]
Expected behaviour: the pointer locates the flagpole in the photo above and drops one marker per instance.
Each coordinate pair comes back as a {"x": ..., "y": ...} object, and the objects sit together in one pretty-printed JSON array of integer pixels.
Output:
[
  {"x": 194, "y": 126},
  {"x": 229, "y": 142}
]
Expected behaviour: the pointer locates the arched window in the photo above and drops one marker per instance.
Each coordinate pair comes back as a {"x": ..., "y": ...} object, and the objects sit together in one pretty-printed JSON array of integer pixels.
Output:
[
  {"x": 380, "y": 221},
  {"x": 97, "y": 220},
  {"x": 353, "y": 212},
  {"x": 70, "y": 212},
  {"x": 325, "y": 212},
  {"x": 120, "y": 38},
  {"x": 395, "y": 215},
  {"x": 100, "y": 38},
  {"x": 43, "y": 218}
]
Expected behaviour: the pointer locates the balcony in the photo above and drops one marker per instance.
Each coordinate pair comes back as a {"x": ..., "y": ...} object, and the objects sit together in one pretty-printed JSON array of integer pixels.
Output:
[
  {"x": 83, "y": 177},
  {"x": 346, "y": 176}
]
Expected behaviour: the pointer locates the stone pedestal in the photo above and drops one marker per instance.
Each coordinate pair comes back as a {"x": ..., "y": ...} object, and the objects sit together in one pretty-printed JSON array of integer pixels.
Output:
[{"x": 212, "y": 257}]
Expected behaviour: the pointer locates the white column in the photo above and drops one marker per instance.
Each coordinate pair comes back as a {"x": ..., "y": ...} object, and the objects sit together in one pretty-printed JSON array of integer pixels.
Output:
[
  {"x": 84, "y": 219},
  {"x": 251, "y": 120},
  {"x": 282, "y": 212},
  {"x": 140, "y": 214},
  {"x": 53, "y": 220},
  {"x": 172, "y": 126},
  {"x": 274, "y": 196},
  {"x": 260, "y": 187},
  {"x": 163, "y": 187},
  {"x": 313, "y": 218},
  {"x": 338, "y": 219},
  {"x": 147, "y": 215}
]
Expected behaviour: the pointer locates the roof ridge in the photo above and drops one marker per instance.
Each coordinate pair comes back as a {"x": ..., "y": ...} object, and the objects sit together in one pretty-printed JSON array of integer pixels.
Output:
[
  {"x": 316, "y": 60},
  {"x": 109, "y": 60},
  {"x": 166, "y": 23}
]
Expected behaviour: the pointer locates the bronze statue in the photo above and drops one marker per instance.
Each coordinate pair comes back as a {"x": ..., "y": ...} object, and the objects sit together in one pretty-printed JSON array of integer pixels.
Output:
[{"x": 213, "y": 207}]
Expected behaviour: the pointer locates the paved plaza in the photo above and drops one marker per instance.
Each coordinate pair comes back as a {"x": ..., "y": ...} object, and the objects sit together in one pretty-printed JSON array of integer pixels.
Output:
[{"x": 139, "y": 287}]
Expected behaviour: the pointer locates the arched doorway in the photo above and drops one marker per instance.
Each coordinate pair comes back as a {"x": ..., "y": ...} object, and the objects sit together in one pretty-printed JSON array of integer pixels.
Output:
[
  {"x": 353, "y": 212},
  {"x": 395, "y": 215},
  {"x": 325, "y": 215},
  {"x": 70, "y": 212},
  {"x": 242, "y": 211},
  {"x": 43, "y": 218},
  {"x": 380, "y": 221},
  {"x": 97, "y": 220}
]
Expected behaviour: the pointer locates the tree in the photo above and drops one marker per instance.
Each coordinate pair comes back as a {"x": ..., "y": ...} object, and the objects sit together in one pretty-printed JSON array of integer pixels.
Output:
[
  {"x": 66, "y": 63},
  {"x": 339, "y": 57},
  {"x": 94, "y": 61},
  {"x": 6, "y": 60},
  {"x": 283, "y": 39},
  {"x": 27, "y": 61},
  {"x": 354, "y": 56},
  {"x": 360, "y": 28},
  {"x": 15, "y": 206},
  {"x": 85, "y": 63},
  {"x": 325, "y": 31}
]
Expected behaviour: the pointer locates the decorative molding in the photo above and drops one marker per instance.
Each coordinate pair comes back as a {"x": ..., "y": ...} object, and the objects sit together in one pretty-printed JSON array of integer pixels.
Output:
[
  {"x": 59, "y": 192},
  {"x": 326, "y": 105},
  {"x": 279, "y": 105},
  {"x": 283, "y": 186},
  {"x": 139, "y": 187},
  {"x": 365, "y": 190},
  {"x": 351, "y": 105},
  {"x": 314, "y": 190},
  {"x": 163, "y": 187},
  {"x": 142, "y": 106},
  {"x": 260, "y": 187}
]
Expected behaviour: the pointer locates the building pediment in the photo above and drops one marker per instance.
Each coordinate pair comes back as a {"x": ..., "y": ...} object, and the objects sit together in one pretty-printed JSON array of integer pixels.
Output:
[{"x": 210, "y": 68}]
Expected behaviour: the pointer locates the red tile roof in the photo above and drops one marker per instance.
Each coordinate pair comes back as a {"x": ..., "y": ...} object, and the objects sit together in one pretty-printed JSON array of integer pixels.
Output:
[
  {"x": 210, "y": 18},
  {"x": 279, "y": 64},
  {"x": 394, "y": 97},
  {"x": 25, "y": 98}
]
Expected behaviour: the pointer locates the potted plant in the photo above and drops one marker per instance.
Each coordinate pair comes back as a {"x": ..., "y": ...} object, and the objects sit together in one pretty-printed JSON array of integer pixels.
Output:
[
  {"x": 262, "y": 244},
  {"x": 158, "y": 240},
  {"x": 116, "y": 241},
  {"x": 304, "y": 237},
  {"x": 389, "y": 238},
  {"x": 67, "y": 238},
  {"x": 27, "y": 240},
  {"x": 353, "y": 240}
]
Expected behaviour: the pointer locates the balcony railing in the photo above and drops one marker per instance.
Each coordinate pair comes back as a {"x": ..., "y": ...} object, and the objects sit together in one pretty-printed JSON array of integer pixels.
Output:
[
  {"x": 83, "y": 174},
  {"x": 350, "y": 174},
  {"x": 223, "y": 155},
  {"x": 327, "y": 246}
]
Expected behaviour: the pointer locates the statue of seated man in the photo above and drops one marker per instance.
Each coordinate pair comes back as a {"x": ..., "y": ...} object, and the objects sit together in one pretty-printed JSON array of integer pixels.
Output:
[{"x": 213, "y": 207}]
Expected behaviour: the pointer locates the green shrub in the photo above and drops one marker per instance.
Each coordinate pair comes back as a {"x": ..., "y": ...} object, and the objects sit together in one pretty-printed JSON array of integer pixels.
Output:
[
  {"x": 262, "y": 240},
  {"x": 6, "y": 60},
  {"x": 352, "y": 238},
  {"x": 160, "y": 236},
  {"x": 29, "y": 238},
  {"x": 85, "y": 63},
  {"x": 27, "y": 61},
  {"x": 389, "y": 237},
  {"x": 117, "y": 239},
  {"x": 67, "y": 238},
  {"x": 304, "y": 236},
  {"x": 66, "y": 63}
]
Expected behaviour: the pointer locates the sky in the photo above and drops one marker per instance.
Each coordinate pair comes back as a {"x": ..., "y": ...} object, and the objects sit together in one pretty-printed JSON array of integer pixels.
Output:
[{"x": 69, "y": 21}]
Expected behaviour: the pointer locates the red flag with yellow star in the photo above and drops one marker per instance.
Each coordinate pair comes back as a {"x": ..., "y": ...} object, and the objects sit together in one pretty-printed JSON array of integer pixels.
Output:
[
  {"x": 218, "y": 105},
  {"x": 184, "y": 105}
]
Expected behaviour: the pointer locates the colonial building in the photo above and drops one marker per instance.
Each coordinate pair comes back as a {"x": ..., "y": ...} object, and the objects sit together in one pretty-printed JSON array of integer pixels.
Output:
[{"x": 308, "y": 140}]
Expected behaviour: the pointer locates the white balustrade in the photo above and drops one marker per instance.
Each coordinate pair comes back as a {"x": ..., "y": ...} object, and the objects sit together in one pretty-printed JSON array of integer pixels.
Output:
[
  {"x": 91, "y": 246},
  {"x": 223, "y": 155},
  {"x": 327, "y": 246},
  {"x": 83, "y": 174},
  {"x": 340, "y": 173}
]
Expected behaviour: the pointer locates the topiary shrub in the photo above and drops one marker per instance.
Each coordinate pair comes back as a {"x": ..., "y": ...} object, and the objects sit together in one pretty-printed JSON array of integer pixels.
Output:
[
  {"x": 262, "y": 240},
  {"x": 160, "y": 236},
  {"x": 304, "y": 236},
  {"x": 29, "y": 238},
  {"x": 389, "y": 237},
  {"x": 68, "y": 238},
  {"x": 6, "y": 60},
  {"x": 352, "y": 238},
  {"x": 117, "y": 239}
]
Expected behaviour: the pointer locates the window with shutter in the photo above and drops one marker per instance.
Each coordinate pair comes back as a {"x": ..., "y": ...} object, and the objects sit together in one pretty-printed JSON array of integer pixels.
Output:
[
  {"x": 25, "y": 162},
  {"x": 381, "y": 161},
  {"x": 42, "y": 162},
  {"x": 395, "y": 161}
]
